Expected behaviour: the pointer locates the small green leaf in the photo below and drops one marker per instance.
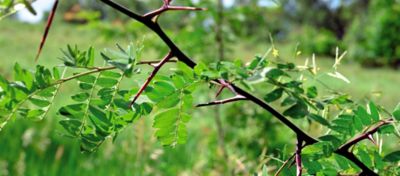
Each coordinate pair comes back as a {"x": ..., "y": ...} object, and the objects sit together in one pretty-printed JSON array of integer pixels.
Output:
[
  {"x": 274, "y": 95},
  {"x": 111, "y": 74},
  {"x": 87, "y": 79},
  {"x": 80, "y": 97},
  {"x": 373, "y": 110},
  {"x": 169, "y": 101},
  {"x": 362, "y": 114},
  {"x": 274, "y": 73},
  {"x": 299, "y": 110},
  {"x": 312, "y": 92},
  {"x": 28, "y": 6},
  {"x": 164, "y": 88},
  {"x": 387, "y": 129},
  {"x": 318, "y": 119},
  {"x": 364, "y": 157},
  {"x": 85, "y": 86},
  {"x": 35, "y": 114},
  {"x": 396, "y": 112},
  {"x": 392, "y": 157},
  {"x": 378, "y": 161},
  {"x": 106, "y": 82},
  {"x": 71, "y": 126},
  {"x": 39, "y": 102}
]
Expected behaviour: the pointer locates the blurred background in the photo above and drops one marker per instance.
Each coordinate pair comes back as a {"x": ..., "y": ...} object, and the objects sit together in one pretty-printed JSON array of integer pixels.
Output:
[{"x": 369, "y": 30}]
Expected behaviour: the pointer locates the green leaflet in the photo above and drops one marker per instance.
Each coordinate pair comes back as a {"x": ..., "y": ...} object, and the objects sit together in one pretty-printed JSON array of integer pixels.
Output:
[
  {"x": 396, "y": 112},
  {"x": 299, "y": 110},
  {"x": 123, "y": 59},
  {"x": 274, "y": 95},
  {"x": 30, "y": 87},
  {"x": 101, "y": 111},
  {"x": 319, "y": 119},
  {"x": 373, "y": 111},
  {"x": 73, "y": 57},
  {"x": 392, "y": 157},
  {"x": 171, "y": 126},
  {"x": 174, "y": 94}
]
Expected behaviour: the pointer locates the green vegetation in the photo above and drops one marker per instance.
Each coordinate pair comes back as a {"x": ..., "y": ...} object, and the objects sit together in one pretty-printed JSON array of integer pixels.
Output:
[{"x": 93, "y": 90}]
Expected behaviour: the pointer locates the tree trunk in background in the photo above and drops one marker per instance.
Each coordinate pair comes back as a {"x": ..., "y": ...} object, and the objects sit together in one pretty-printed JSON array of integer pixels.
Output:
[{"x": 220, "y": 42}]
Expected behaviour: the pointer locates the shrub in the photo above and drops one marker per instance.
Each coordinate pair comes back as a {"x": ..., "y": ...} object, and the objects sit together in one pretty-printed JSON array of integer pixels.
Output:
[
  {"x": 318, "y": 41},
  {"x": 374, "y": 39}
]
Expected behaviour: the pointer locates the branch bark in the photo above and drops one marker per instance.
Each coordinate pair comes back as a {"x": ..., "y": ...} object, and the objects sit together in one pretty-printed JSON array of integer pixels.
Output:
[
  {"x": 299, "y": 166},
  {"x": 344, "y": 150}
]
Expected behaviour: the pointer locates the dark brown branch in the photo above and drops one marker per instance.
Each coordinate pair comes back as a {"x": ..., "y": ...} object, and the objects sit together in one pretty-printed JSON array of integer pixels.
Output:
[
  {"x": 299, "y": 147},
  {"x": 225, "y": 101},
  {"x": 365, "y": 135},
  {"x": 157, "y": 68},
  {"x": 344, "y": 150}
]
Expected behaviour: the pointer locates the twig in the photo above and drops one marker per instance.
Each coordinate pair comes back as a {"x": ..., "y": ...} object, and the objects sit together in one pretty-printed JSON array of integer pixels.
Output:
[
  {"x": 167, "y": 7},
  {"x": 284, "y": 164},
  {"x": 225, "y": 101},
  {"x": 157, "y": 68}
]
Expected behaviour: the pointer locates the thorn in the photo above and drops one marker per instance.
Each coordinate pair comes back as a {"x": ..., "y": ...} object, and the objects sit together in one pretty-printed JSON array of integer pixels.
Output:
[
  {"x": 46, "y": 31},
  {"x": 371, "y": 138}
]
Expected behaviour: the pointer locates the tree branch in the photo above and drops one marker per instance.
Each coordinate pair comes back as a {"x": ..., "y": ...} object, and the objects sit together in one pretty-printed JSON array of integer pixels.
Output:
[
  {"x": 365, "y": 135},
  {"x": 344, "y": 150}
]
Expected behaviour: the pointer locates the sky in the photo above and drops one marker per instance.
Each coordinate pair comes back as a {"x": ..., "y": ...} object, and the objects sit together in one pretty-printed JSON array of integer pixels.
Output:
[
  {"x": 43, "y": 6},
  {"x": 40, "y": 6}
]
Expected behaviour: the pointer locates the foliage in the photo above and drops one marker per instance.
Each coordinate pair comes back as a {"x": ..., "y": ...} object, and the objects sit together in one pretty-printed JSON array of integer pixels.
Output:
[
  {"x": 7, "y": 7},
  {"x": 377, "y": 36},
  {"x": 323, "y": 42},
  {"x": 103, "y": 107}
]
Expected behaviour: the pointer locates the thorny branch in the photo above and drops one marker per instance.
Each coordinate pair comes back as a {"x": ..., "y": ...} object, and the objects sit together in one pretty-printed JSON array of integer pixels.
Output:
[
  {"x": 299, "y": 146},
  {"x": 344, "y": 150},
  {"x": 157, "y": 68},
  {"x": 155, "y": 27},
  {"x": 150, "y": 20}
]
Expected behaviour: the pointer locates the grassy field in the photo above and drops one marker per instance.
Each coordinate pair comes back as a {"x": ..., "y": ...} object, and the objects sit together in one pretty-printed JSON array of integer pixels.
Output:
[{"x": 36, "y": 148}]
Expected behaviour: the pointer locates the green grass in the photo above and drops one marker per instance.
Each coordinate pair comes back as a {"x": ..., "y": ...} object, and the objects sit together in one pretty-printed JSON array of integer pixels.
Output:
[{"x": 37, "y": 148}]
